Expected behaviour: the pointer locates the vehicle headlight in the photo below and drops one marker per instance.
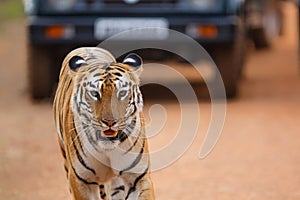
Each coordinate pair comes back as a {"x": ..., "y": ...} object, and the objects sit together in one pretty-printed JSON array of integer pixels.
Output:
[
  {"x": 29, "y": 6},
  {"x": 61, "y": 5},
  {"x": 204, "y": 4}
]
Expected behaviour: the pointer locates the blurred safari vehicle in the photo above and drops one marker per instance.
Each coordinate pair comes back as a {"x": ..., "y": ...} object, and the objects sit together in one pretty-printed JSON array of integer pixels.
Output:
[{"x": 223, "y": 27}]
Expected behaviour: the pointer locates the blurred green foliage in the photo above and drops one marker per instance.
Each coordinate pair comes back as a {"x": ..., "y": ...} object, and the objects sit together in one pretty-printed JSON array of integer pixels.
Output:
[{"x": 11, "y": 9}]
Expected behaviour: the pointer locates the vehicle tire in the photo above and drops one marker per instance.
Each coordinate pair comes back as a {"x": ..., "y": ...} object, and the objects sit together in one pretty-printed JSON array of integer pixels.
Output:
[
  {"x": 270, "y": 27},
  {"x": 42, "y": 69},
  {"x": 230, "y": 59}
]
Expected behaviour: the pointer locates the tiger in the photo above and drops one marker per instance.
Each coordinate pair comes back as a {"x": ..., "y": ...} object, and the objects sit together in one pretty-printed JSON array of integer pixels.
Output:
[{"x": 101, "y": 130}]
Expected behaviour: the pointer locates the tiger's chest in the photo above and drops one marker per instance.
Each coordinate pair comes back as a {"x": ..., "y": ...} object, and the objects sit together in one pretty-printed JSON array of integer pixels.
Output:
[{"x": 104, "y": 166}]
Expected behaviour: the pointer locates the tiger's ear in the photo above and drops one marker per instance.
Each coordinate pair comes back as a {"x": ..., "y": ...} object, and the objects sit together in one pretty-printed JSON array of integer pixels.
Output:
[
  {"x": 76, "y": 62},
  {"x": 134, "y": 61}
]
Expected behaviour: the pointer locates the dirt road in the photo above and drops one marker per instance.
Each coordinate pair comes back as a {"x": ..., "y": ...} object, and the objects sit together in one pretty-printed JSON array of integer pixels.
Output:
[{"x": 257, "y": 156}]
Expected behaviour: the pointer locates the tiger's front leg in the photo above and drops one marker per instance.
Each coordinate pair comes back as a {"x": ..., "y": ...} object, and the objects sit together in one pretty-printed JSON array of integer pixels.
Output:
[
  {"x": 81, "y": 190},
  {"x": 138, "y": 187}
]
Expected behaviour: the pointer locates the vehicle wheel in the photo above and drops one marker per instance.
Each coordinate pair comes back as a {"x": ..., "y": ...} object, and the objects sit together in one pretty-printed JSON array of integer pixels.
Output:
[
  {"x": 270, "y": 25},
  {"x": 230, "y": 59},
  {"x": 42, "y": 68}
]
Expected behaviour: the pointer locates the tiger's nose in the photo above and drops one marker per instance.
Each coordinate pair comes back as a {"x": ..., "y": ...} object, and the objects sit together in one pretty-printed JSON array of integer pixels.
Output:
[{"x": 109, "y": 122}]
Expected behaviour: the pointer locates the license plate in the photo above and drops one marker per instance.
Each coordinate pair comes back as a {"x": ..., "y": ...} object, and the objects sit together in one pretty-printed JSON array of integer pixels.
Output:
[{"x": 136, "y": 29}]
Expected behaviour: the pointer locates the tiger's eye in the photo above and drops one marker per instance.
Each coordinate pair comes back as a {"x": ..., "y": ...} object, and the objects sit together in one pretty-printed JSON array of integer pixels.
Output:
[
  {"x": 95, "y": 95},
  {"x": 122, "y": 94}
]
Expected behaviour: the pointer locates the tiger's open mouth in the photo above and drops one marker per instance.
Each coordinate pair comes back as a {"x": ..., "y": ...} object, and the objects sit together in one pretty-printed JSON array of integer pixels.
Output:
[{"x": 107, "y": 135}]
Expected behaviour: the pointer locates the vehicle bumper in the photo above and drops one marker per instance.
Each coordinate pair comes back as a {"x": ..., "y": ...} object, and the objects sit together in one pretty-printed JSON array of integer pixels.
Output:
[{"x": 81, "y": 30}]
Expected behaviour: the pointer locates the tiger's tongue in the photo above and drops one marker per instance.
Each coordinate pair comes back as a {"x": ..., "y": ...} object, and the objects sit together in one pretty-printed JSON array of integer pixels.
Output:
[{"x": 110, "y": 133}]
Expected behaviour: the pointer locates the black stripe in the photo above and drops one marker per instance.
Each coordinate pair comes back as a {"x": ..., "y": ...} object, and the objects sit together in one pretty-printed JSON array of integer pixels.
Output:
[
  {"x": 80, "y": 92},
  {"x": 81, "y": 159},
  {"x": 98, "y": 80},
  {"x": 66, "y": 169},
  {"x": 91, "y": 139},
  {"x": 76, "y": 97},
  {"x": 102, "y": 191},
  {"x": 107, "y": 68},
  {"x": 82, "y": 179},
  {"x": 80, "y": 145},
  {"x": 120, "y": 188},
  {"x": 97, "y": 74},
  {"x": 69, "y": 84},
  {"x": 117, "y": 74},
  {"x": 134, "y": 143},
  {"x": 92, "y": 69},
  {"x": 79, "y": 141},
  {"x": 92, "y": 85},
  {"x": 63, "y": 151},
  {"x": 61, "y": 113},
  {"x": 124, "y": 83},
  {"x": 133, "y": 188},
  {"x": 103, "y": 195},
  {"x": 116, "y": 192},
  {"x": 134, "y": 110},
  {"x": 136, "y": 161},
  {"x": 118, "y": 67},
  {"x": 123, "y": 135},
  {"x": 83, "y": 103}
]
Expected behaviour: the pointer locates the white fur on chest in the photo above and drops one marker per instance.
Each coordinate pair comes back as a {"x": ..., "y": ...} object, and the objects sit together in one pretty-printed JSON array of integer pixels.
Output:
[{"x": 109, "y": 162}]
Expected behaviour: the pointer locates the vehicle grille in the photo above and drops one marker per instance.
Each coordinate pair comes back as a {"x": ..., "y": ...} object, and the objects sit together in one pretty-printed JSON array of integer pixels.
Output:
[{"x": 140, "y": 2}]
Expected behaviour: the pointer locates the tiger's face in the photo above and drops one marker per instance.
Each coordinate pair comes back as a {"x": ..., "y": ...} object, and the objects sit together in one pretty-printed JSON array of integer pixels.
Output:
[{"x": 106, "y": 98}]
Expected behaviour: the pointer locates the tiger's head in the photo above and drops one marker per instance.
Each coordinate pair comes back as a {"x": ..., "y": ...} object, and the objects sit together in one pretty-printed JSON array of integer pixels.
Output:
[{"x": 106, "y": 99}]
